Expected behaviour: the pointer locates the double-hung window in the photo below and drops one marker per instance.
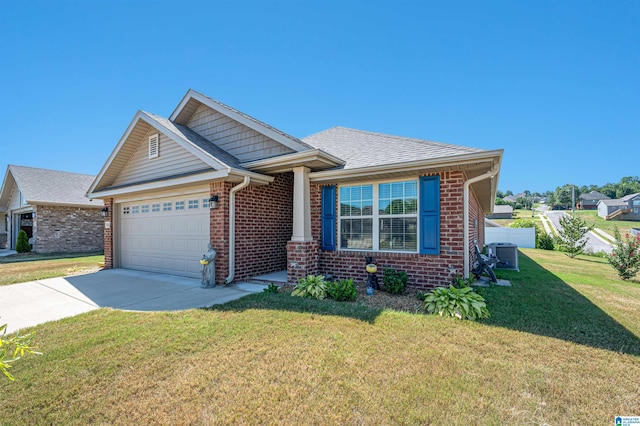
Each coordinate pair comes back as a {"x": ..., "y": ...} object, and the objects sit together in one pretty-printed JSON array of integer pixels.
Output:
[{"x": 382, "y": 216}]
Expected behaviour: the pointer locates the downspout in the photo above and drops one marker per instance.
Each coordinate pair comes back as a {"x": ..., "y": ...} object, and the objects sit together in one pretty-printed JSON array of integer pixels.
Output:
[
  {"x": 232, "y": 227},
  {"x": 465, "y": 201}
]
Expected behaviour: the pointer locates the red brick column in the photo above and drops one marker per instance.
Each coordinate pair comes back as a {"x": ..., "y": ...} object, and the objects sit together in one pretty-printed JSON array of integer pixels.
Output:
[
  {"x": 302, "y": 260},
  {"x": 219, "y": 229},
  {"x": 108, "y": 234}
]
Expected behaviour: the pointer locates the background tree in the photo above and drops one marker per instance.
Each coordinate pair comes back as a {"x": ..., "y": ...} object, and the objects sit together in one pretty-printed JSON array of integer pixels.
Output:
[{"x": 571, "y": 235}]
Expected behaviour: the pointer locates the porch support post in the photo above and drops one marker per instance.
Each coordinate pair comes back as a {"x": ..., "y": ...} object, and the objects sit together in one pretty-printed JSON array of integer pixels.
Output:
[
  {"x": 301, "y": 205},
  {"x": 302, "y": 250}
]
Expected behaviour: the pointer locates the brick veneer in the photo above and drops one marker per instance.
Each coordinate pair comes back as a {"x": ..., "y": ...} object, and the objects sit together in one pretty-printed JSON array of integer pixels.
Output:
[
  {"x": 425, "y": 271},
  {"x": 303, "y": 260},
  {"x": 108, "y": 235},
  {"x": 264, "y": 216},
  {"x": 67, "y": 229},
  {"x": 264, "y": 222}
]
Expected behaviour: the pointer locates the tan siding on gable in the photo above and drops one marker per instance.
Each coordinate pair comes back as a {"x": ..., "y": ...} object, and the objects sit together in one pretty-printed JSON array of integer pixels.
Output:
[
  {"x": 17, "y": 200},
  {"x": 172, "y": 160},
  {"x": 237, "y": 139}
]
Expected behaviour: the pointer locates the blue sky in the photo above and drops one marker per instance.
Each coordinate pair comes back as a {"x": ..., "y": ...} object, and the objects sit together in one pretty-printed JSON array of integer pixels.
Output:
[{"x": 553, "y": 83}]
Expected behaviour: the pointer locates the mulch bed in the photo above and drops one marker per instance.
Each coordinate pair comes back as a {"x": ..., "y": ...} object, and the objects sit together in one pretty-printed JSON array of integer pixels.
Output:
[{"x": 408, "y": 301}]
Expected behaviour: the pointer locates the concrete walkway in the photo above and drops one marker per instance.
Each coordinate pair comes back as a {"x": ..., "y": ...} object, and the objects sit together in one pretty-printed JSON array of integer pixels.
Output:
[
  {"x": 7, "y": 252},
  {"x": 36, "y": 302}
]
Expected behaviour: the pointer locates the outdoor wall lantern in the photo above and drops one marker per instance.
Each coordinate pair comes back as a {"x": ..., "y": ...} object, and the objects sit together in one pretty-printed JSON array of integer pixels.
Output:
[
  {"x": 104, "y": 212},
  {"x": 213, "y": 202}
]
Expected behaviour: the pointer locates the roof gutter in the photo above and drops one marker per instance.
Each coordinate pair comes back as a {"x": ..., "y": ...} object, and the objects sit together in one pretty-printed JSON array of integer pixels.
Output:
[
  {"x": 465, "y": 202},
  {"x": 232, "y": 227}
]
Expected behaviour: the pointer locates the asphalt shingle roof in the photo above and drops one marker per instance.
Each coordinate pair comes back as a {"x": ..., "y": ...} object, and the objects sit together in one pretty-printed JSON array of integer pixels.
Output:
[
  {"x": 613, "y": 203},
  {"x": 360, "y": 148},
  {"x": 630, "y": 196},
  {"x": 594, "y": 195},
  {"x": 53, "y": 186}
]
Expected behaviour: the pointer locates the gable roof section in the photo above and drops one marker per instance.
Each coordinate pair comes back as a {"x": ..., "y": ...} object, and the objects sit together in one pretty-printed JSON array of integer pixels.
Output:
[
  {"x": 630, "y": 197},
  {"x": 47, "y": 187},
  {"x": 613, "y": 203},
  {"x": 193, "y": 99},
  {"x": 209, "y": 153},
  {"x": 360, "y": 148},
  {"x": 501, "y": 209}
]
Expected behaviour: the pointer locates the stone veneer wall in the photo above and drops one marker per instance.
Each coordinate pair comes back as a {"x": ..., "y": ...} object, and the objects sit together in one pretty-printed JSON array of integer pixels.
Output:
[
  {"x": 425, "y": 271},
  {"x": 68, "y": 229}
]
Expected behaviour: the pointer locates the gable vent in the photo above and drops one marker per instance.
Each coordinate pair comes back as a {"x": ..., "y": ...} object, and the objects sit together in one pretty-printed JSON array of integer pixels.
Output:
[{"x": 153, "y": 146}]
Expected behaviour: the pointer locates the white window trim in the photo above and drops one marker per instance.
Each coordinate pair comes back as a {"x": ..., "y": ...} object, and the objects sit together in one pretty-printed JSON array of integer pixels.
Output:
[{"x": 376, "y": 217}]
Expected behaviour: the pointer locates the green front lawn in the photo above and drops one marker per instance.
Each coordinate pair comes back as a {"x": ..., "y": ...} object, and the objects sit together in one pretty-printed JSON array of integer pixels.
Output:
[
  {"x": 562, "y": 347},
  {"x": 32, "y": 266},
  {"x": 591, "y": 217}
]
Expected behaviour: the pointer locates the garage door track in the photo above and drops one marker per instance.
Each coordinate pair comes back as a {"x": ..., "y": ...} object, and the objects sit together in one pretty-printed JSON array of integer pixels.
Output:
[{"x": 35, "y": 302}]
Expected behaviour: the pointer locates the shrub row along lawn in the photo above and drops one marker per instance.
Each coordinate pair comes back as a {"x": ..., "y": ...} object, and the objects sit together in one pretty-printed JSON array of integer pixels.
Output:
[
  {"x": 31, "y": 267},
  {"x": 561, "y": 347}
]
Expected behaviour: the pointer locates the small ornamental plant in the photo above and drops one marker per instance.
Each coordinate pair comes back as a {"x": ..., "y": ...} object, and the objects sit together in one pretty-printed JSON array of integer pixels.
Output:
[
  {"x": 393, "y": 281},
  {"x": 313, "y": 286},
  {"x": 342, "y": 290},
  {"x": 625, "y": 257},
  {"x": 22, "y": 243}
]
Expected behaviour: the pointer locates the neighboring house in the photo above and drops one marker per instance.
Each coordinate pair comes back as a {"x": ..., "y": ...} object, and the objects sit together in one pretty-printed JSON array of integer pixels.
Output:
[
  {"x": 501, "y": 212},
  {"x": 51, "y": 207},
  {"x": 268, "y": 201},
  {"x": 625, "y": 208},
  {"x": 590, "y": 200}
]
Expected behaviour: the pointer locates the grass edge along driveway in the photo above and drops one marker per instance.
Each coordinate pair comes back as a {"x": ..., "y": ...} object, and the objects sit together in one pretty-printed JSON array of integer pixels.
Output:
[
  {"x": 561, "y": 347},
  {"x": 20, "y": 268}
]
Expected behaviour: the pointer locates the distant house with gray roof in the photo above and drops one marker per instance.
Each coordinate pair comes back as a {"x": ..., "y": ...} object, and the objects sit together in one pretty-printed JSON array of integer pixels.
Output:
[
  {"x": 269, "y": 202},
  {"x": 625, "y": 208},
  {"x": 501, "y": 212},
  {"x": 51, "y": 207},
  {"x": 589, "y": 201}
]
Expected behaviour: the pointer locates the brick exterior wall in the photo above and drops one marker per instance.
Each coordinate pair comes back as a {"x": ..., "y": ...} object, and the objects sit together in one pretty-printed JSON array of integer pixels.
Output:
[
  {"x": 264, "y": 220},
  {"x": 67, "y": 229},
  {"x": 303, "y": 259},
  {"x": 108, "y": 235},
  {"x": 219, "y": 229},
  {"x": 264, "y": 223},
  {"x": 425, "y": 271}
]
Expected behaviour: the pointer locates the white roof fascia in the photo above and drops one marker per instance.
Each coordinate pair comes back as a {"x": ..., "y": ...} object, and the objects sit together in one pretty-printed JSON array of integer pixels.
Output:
[
  {"x": 160, "y": 184},
  {"x": 5, "y": 183},
  {"x": 284, "y": 160},
  {"x": 115, "y": 151},
  {"x": 192, "y": 94},
  {"x": 198, "y": 152},
  {"x": 255, "y": 177},
  {"x": 454, "y": 160},
  {"x": 48, "y": 203}
]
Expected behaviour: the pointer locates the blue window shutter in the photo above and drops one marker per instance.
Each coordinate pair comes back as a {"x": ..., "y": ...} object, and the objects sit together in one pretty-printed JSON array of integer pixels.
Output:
[
  {"x": 328, "y": 218},
  {"x": 430, "y": 215}
]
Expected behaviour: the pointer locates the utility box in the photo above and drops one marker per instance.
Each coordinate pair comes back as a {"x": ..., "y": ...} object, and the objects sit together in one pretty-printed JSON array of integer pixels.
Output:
[{"x": 507, "y": 254}]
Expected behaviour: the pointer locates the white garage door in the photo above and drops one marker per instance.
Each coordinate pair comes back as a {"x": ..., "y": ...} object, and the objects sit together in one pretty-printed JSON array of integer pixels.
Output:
[{"x": 167, "y": 235}]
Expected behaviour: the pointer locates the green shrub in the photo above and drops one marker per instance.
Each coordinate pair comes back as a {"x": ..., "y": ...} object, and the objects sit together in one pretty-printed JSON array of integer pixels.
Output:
[
  {"x": 461, "y": 303},
  {"x": 394, "y": 282},
  {"x": 625, "y": 257},
  {"x": 271, "y": 289},
  {"x": 342, "y": 290},
  {"x": 312, "y": 286},
  {"x": 22, "y": 243},
  {"x": 544, "y": 241}
]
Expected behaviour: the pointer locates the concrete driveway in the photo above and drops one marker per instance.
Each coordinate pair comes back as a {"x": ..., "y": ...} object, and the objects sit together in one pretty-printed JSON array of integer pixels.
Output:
[{"x": 36, "y": 302}]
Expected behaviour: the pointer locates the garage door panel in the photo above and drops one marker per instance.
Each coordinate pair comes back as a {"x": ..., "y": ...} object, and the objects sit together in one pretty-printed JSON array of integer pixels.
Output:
[{"x": 166, "y": 241}]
